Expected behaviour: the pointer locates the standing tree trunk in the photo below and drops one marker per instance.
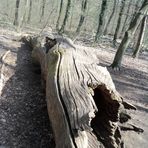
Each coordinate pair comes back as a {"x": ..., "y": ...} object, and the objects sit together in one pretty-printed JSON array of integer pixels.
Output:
[
  {"x": 110, "y": 18},
  {"x": 72, "y": 14},
  {"x": 7, "y": 8},
  {"x": 101, "y": 20},
  {"x": 119, "y": 21},
  {"x": 60, "y": 12},
  {"x": 30, "y": 10},
  {"x": 42, "y": 10},
  {"x": 82, "y": 17},
  {"x": 127, "y": 16},
  {"x": 137, "y": 4},
  {"x": 126, "y": 23},
  {"x": 85, "y": 21},
  {"x": 16, "y": 21},
  {"x": 23, "y": 18},
  {"x": 66, "y": 16},
  {"x": 129, "y": 34},
  {"x": 140, "y": 37}
]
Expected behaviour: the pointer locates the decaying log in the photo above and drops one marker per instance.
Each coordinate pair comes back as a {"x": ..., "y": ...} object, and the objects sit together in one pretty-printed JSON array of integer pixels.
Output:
[{"x": 83, "y": 104}]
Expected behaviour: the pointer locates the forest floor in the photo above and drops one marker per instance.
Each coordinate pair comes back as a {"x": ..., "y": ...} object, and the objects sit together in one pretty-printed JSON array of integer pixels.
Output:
[{"x": 24, "y": 119}]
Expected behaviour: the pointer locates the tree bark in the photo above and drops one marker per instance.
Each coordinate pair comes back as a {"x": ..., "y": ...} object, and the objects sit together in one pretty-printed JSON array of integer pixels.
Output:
[
  {"x": 23, "y": 19},
  {"x": 72, "y": 14},
  {"x": 140, "y": 37},
  {"x": 101, "y": 20},
  {"x": 82, "y": 101},
  {"x": 137, "y": 5},
  {"x": 7, "y": 8},
  {"x": 42, "y": 10},
  {"x": 60, "y": 12},
  {"x": 126, "y": 23},
  {"x": 16, "y": 21},
  {"x": 30, "y": 10},
  {"x": 119, "y": 21},
  {"x": 67, "y": 13},
  {"x": 82, "y": 17},
  {"x": 127, "y": 16},
  {"x": 110, "y": 18},
  {"x": 129, "y": 34}
]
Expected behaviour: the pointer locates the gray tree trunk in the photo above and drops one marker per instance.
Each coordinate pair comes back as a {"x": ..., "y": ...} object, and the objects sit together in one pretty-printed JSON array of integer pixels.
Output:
[
  {"x": 137, "y": 5},
  {"x": 7, "y": 8},
  {"x": 110, "y": 18},
  {"x": 127, "y": 16},
  {"x": 16, "y": 21},
  {"x": 67, "y": 14},
  {"x": 131, "y": 16},
  {"x": 60, "y": 13},
  {"x": 42, "y": 10},
  {"x": 82, "y": 17},
  {"x": 119, "y": 22},
  {"x": 82, "y": 101},
  {"x": 129, "y": 34},
  {"x": 101, "y": 20},
  {"x": 72, "y": 13},
  {"x": 140, "y": 37},
  {"x": 30, "y": 10},
  {"x": 86, "y": 19},
  {"x": 23, "y": 18}
]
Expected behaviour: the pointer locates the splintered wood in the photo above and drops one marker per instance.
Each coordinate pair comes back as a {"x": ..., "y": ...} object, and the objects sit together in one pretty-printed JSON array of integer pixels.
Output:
[{"x": 8, "y": 60}]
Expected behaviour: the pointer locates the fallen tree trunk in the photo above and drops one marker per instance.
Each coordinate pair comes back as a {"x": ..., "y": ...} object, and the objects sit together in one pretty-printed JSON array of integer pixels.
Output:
[{"x": 83, "y": 104}]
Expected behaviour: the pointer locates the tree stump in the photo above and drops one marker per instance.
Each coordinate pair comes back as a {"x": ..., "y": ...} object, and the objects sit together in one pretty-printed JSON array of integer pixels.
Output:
[{"x": 83, "y": 104}]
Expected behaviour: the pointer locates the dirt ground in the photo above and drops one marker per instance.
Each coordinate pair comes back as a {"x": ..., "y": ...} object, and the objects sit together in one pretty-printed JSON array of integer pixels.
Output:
[{"x": 24, "y": 120}]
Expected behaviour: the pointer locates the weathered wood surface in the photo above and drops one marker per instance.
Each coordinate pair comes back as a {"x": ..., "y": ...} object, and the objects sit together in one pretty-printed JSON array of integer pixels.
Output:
[
  {"x": 82, "y": 101},
  {"x": 7, "y": 61}
]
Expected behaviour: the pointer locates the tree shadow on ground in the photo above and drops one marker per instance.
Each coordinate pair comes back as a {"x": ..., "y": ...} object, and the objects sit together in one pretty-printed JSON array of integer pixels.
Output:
[
  {"x": 24, "y": 120},
  {"x": 132, "y": 83}
]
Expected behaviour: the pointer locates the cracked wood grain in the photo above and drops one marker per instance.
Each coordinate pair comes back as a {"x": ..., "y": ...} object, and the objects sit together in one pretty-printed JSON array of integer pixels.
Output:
[{"x": 82, "y": 101}]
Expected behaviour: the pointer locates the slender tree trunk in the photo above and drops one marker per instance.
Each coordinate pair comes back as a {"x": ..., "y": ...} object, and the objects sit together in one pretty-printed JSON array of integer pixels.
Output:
[
  {"x": 16, "y": 21},
  {"x": 129, "y": 34},
  {"x": 137, "y": 5},
  {"x": 66, "y": 16},
  {"x": 72, "y": 14},
  {"x": 138, "y": 2},
  {"x": 30, "y": 10},
  {"x": 55, "y": 5},
  {"x": 140, "y": 37},
  {"x": 111, "y": 16},
  {"x": 7, "y": 5},
  {"x": 130, "y": 16},
  {"x": 85, "y": 21},
  {"x": 82, "y": 17},
  {"x": 127, "y": 16},
  {"x": 42, "y": 10},
  {"x": 23, "y": 19},
  {"x": 114, "y": 19},
  {"x": 119, "y": 21},
  {"x": 60, "y": 12},
  {"x": 101, "y": 20}
]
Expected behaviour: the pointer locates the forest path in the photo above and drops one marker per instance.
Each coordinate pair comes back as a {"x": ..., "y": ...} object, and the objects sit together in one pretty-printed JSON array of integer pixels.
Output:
[{"x": 24, "y": 121}]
